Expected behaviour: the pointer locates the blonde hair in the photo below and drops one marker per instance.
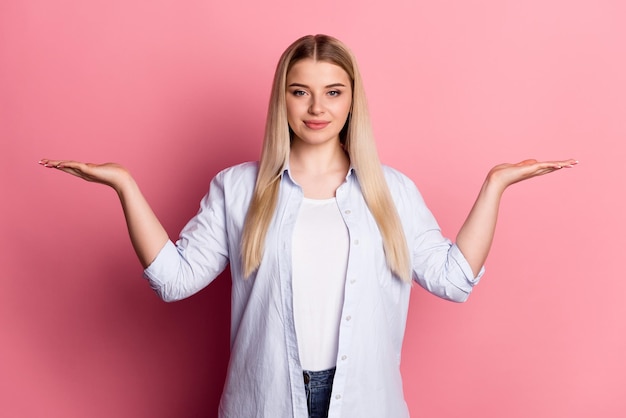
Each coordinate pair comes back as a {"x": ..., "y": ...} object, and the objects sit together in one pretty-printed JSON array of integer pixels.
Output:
[{"x": 358, "y": 140}]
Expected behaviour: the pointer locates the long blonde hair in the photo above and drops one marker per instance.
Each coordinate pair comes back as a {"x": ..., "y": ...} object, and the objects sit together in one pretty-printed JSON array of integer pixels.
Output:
[{"x": 358, "y": 140}]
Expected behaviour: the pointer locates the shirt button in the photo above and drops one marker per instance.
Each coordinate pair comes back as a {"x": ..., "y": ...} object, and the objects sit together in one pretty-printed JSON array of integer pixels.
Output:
[
  {"x": 337, "y": 396},
  {"x": 348, "y": 212},
  {"x": 348, "y": 318},
  {"x": 344, "y": 357},
  {"x": 356, "y": 242},
  {"x": 352, "y": 281}
]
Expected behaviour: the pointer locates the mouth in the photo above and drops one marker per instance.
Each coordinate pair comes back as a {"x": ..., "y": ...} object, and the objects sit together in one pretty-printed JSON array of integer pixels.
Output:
[{"x": 316, "y": 124}]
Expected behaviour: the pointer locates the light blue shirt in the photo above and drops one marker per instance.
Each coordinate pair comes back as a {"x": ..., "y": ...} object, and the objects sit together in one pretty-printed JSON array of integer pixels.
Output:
[{"x": 264, "y": 374}]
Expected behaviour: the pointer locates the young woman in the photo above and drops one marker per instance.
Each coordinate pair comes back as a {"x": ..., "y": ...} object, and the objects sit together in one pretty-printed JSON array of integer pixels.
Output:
[{"x": 323, "y": 244}]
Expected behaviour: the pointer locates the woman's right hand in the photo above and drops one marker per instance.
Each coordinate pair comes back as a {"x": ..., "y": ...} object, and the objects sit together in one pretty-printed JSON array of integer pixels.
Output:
[
  {"x": 110, "y": 174},
  {"x": 146, "y": 232}
]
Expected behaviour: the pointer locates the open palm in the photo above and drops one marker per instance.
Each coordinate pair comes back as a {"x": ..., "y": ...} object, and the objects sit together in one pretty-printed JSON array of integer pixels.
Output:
[
  {"x": 507, "y": 174},
  {"x": 111, "y": 174}
]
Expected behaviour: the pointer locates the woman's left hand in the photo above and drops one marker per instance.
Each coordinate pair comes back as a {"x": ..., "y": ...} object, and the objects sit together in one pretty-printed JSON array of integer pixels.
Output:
[
  {"x": 476, "y": 234},
  {"x": 506, "y": 174}
]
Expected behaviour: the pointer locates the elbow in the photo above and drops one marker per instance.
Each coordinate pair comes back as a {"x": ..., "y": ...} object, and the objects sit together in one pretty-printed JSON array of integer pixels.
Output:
[
  {"x": 167, "y": 294},
  {"x": 447, "y": 289},
  {"x": 449, "y": 292},
  {"x": 168, "y": 298},
  {"x": 169, "y": 288},
  {"x": 458, "y": 296}
]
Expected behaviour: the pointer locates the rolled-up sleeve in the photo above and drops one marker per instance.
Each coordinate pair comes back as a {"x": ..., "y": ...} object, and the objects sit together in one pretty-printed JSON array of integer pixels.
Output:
[
  {"x": 199, "y": 255},
  {"x": 438, "y": 264}
]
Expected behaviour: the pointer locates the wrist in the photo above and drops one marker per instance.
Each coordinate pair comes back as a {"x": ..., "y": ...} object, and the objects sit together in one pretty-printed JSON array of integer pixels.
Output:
[
  {"x": 493, "y": 186},
  {"x": 124, "y": 183}
]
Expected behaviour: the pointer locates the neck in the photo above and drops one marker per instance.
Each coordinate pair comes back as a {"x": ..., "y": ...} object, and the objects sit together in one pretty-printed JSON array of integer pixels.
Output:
[
  {"x": 318, "y": 158},
  {"x": 318, "y": 169}
]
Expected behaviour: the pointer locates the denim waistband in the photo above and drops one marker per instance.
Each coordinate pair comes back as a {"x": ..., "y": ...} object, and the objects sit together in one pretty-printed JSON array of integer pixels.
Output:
[{"x": 319, "y": 378}]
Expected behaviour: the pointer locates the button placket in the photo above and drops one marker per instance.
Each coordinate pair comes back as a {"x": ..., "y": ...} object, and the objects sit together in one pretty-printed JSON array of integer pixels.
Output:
[{"x": 350, "y": 298}]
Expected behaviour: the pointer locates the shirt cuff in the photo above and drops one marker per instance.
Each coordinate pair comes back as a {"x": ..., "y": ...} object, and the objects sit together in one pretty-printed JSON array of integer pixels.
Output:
[
  {"x": 164, "y": 261},
  {"x": 466, "y": 280}
]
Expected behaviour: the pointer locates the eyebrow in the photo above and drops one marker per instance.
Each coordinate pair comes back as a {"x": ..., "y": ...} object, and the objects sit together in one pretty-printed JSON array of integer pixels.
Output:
[{"x": 327, "y": 87}]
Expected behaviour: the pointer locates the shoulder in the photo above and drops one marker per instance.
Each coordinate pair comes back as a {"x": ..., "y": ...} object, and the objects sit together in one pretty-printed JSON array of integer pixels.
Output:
[
  {"x": 403, "y": 190},
  {"x": 236, "y": 181},
  {"x": 244, "y": 169},
  {"x": 397, "y": 179},
  {"x": 233, "y": 186},
  {"x": 238, "y": 175}
]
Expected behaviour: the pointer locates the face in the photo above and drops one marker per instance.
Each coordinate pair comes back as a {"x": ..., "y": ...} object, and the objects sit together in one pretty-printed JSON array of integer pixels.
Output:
[{"x": 319, "y": 98}]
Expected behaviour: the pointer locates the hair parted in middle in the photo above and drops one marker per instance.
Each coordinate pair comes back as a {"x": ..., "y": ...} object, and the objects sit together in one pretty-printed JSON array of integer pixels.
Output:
[{"x": 358, "y": 141}]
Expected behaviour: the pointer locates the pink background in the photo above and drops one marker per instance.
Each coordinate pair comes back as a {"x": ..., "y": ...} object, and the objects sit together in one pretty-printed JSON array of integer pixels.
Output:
[{"x": 177, "y": 90}]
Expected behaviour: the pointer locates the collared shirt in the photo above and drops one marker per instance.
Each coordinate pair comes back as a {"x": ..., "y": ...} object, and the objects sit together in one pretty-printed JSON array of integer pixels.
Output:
[{"x": 264, "y": 378}]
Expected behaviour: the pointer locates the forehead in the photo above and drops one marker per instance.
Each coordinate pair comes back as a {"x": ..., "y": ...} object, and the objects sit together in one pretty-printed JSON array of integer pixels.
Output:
[{"x": 311, "y": 73}]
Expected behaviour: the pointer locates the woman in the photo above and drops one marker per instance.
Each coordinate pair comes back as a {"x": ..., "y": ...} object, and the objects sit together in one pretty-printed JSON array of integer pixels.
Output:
[{"x": 323, "y": 243}]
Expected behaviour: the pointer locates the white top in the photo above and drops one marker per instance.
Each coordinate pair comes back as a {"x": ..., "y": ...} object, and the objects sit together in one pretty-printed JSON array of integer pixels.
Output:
[{"x": 320, "y": 260}]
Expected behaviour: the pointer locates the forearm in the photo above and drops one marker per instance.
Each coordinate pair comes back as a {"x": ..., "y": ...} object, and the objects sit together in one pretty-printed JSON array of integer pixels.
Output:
[
  {"x": 146, "y": 232},
  {"x": 476, "y": 235}
]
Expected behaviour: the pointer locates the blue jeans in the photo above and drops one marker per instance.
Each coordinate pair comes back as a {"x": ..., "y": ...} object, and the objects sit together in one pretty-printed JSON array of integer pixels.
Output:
[{"x": 318, "y": 387}]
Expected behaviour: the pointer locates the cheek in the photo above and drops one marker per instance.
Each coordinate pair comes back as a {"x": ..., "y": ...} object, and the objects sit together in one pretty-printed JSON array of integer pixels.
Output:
[
  {"x": 291, "y": 111},
  {"x": 344, "y": 108},
  {"x": 295, "y": 106},
  {"x": 346, "y": 102}
]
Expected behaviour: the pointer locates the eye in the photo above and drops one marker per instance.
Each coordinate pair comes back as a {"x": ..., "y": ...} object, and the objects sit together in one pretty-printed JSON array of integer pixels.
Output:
[
  {"x": 334, "y": 93},
  {"x": 298, "y": 93}
]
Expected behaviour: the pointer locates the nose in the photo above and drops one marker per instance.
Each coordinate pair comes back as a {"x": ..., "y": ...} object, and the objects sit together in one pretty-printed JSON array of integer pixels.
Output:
[{"x": 315, "y": 106}]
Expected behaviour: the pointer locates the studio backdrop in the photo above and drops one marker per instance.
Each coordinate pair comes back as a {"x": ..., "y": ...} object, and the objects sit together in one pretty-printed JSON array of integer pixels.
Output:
[{"x": 178, "y": 90}]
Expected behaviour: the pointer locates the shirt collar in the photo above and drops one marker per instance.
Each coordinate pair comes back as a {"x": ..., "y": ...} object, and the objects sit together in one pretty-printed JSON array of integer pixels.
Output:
[{"x": 286, "y": 171}]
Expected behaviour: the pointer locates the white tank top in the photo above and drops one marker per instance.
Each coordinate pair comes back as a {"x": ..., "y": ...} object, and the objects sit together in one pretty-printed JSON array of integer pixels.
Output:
[{"x": 320, "y": 260}]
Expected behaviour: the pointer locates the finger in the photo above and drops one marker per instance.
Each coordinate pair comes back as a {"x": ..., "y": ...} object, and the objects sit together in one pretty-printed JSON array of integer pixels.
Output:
[
  {"x": 569, "y": 163},
  {"x": 74, "y": 168},
  {"x": 550, "y": 166},
  {"x": 557, "y": 165},
  {"x": 70, "y": 164},
  {"x": 540, "y": 169},
  {"x": 537, "y": 168},
  {"x": 62, "y": 164},
  {"x": 48, "y": 163},
  {"x": 563, "y": 163},
  {"x": 53, "y": 163}
]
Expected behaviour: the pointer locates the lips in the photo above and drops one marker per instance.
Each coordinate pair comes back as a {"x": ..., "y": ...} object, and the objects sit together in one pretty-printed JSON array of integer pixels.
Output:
[{"x": 316, "y": 124}]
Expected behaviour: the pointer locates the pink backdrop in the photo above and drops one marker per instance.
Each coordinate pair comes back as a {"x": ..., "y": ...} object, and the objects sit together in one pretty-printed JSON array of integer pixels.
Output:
[{"x": 177, "y": 90}]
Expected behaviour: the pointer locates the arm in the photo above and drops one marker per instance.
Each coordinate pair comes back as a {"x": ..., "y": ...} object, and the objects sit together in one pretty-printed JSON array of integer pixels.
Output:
[
  {"x": 476, "y": 235},
  {"x": 146, "y": 232}
]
